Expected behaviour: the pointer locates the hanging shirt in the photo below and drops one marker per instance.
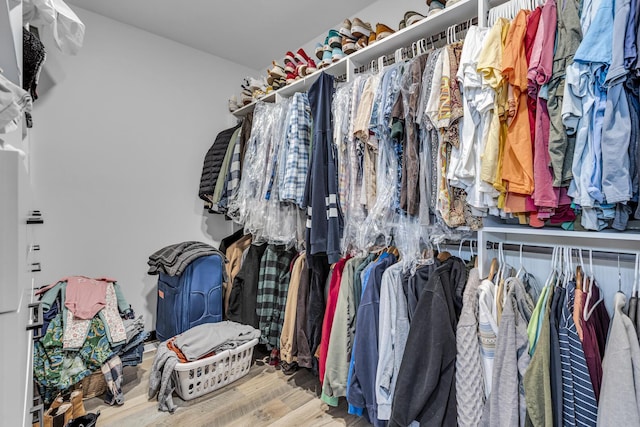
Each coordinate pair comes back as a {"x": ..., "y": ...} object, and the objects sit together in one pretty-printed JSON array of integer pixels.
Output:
[
  {"x": 517, "y": 167},
  {"x": 324, "y": 219},
  {"x": 295, "y": 156},
  {"x": 490, "y": 66},
  {"x": 361, "y": 392},
  {"x": 392, "y": 337},
  {"x": 537, "y": 379},
  {"x": 330, "y": 310},
  {"x": 488, "y": 330},
  {"x": 342, "y": 333},
  {"x": 620, "y": 397},
  {"x": 616, "y": 126},
  {"x": 579, "y": 402},
  {"x": 271, "y": 300}
]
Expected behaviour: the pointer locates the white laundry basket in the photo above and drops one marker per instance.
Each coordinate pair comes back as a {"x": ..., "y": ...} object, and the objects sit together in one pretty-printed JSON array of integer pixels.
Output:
[{"x": 195, "y": 379}]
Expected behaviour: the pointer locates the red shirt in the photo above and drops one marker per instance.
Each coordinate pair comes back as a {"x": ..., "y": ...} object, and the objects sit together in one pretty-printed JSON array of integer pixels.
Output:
[{"x": 329, "y": 312}]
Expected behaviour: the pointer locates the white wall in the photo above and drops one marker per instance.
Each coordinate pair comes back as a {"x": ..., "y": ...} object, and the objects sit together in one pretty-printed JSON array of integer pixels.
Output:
[{"x": 117, "y": 150}]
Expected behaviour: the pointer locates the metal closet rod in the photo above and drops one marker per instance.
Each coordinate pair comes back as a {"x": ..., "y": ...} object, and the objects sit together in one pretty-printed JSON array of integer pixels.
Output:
[{"x": 548, "y": 250}]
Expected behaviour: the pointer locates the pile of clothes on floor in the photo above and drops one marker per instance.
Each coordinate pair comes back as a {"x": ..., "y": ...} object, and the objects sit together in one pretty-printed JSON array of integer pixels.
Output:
[
  {"x": 194, "y": 344},
  {"x": 88, "y": 326}
]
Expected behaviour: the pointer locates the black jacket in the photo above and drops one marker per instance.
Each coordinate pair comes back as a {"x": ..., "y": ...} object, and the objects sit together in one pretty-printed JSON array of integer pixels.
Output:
[
  {"x": 213, "y": 162},
  {"x": 242, "y": 301},
  {"x": 426, "y": 389}
]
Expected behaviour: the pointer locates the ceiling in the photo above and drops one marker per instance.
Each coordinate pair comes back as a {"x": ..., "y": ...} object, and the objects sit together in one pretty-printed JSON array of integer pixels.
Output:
[{"x": 248, "y": 32}]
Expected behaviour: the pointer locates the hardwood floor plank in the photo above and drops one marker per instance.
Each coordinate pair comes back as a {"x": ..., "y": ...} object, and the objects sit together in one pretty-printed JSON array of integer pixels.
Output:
[{"x": 264, "y": 397}]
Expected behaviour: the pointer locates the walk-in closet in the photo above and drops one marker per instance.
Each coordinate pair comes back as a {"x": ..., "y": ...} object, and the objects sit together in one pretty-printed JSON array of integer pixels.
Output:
[{"x": 388, "y": 213}]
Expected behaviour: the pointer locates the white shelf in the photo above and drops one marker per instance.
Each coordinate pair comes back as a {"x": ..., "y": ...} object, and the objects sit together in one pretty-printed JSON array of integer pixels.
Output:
[
  {"x": 456, "y": 14},
  {"x": 243, "y": 111},
  {"x": 493, "y": 226}
]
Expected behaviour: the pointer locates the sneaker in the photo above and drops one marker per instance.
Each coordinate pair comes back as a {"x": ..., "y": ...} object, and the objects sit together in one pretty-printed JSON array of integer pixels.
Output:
[
  {"x": 359, "y": 28},
  {"x": 292, "y": 77},
  {"x": 337, "y": 54},
  {"x": 362, "y": 43},
  {"x": 345, "y": 29},
  {"x": 335, "y": 39},
  {"x": 326, "y": 58},
  {"x": 288, "y": 368},
  {"x": 372, "y": 38},
  {"x": 348, "y": 45},
  {"x": 319, "y": 50},
  {"x": 289, "y": 57},
  {"x": 274, "y": 357},
  {"x": 383, "y": 31},
  {"x": 246, "y": 98},
  {"x": 277, "y": 70},
  {"x": 302, "y": 57},
  {"x": 257, "y": 84},
  {"x": 412, "y": 17}
]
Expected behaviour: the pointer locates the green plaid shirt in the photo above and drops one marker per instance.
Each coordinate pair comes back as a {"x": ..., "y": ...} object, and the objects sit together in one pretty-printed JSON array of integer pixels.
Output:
[{"x": 273, "y": 284}]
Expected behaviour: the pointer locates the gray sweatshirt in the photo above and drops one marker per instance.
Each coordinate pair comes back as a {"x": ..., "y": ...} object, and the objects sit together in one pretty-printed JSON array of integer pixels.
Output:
[{"x": 392, "y": 337}]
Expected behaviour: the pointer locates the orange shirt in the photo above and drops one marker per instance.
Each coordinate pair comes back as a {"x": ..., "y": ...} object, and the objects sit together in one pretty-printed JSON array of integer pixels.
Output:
[{"x": 517, "y": 164}]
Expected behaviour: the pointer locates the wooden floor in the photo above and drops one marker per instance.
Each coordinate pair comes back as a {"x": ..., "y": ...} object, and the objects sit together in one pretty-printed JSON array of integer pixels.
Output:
[{"x": 264, "y": 397}]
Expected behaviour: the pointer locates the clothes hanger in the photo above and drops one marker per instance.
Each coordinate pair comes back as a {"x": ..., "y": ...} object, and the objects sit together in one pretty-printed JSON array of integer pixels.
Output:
[
  {"x": 552, "y": 270},
  {"x": 521, "y": 271},
  {"x": 634, "y": 292},
  {"x": 398, "y": 56},
  {"x": 619, "y": 276},
  {"x": 587, "y": 313}
]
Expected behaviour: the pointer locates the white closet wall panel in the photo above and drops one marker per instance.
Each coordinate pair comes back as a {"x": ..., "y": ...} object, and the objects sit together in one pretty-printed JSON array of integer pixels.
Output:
[{"x": 118, "y": 147}]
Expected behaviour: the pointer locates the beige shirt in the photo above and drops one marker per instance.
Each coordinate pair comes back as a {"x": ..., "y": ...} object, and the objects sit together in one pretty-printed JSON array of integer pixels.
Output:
[
  {"x": 288, "y": 334},
  {"x": 234, "y": 255}
]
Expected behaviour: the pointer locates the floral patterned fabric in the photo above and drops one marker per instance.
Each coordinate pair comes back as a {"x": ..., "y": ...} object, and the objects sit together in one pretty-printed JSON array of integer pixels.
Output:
[{"x": 57, "y": 369}]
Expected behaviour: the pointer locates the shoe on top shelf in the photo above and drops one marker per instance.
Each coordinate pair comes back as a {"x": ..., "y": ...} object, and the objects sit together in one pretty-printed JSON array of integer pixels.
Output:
[
  {"x": 348, "y": 45},
  {"x": 345, "y": 29},
  {"x": 359, "y": 28},
  {"x": 337, "y": 54},
  {"x": 319, "y": 51},
  {"x": 372, "y": 38},
  {"x": 383, "y": 31},
  {"x": 362, "y": 43},
  {"x": 412, "y": 17},
  {"x": 326, "y": 58},
  {"x": 277, "y": 70},
  {"x": 335, "y": 39}
]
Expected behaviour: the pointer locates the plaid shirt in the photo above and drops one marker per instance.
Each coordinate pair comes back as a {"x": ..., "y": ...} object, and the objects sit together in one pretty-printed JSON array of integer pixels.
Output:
[
  {"x": 273, "y": 284},
  {"x": 293, "y": 175}
]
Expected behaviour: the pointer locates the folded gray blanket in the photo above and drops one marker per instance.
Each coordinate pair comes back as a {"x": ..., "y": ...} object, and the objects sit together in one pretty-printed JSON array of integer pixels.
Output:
[
  {"x": 194, "y": 344},
  {"x": 209, "y": 337}
]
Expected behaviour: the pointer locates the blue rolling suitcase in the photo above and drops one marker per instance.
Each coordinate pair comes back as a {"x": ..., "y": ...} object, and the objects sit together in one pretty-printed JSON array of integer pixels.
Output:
[{"x": 191, "y": 299}]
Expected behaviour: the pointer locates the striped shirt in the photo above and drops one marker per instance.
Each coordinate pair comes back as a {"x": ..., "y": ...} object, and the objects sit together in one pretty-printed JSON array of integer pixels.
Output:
[{"x": 579, "y": 406}]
